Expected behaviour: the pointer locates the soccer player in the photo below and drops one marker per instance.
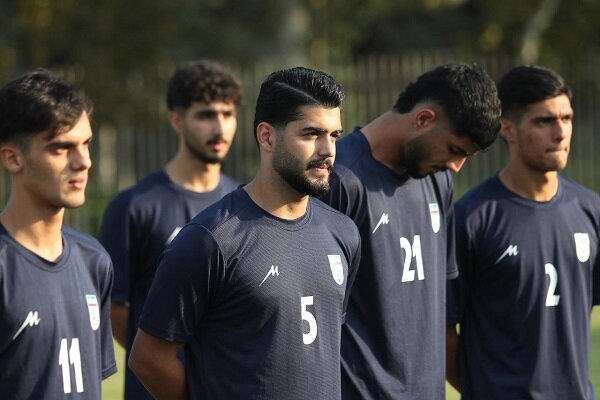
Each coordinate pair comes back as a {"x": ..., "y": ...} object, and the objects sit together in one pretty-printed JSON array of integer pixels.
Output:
[
  {"x": 55, "y": 333},
  {"x": 391, "y": 178},
  {"x": 202, "y": 98},
  {"x": 528, "y": 258},
  {"x": 254, "y": 288}
]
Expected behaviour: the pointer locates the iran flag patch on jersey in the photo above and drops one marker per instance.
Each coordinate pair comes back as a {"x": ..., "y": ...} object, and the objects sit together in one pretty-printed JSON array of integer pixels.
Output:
[
  {"x": 434, "y": 212},
  {"x": 337, "y": 269},
  {"x": 582, "y": 245},
  {"x": 94, "y": 310}
]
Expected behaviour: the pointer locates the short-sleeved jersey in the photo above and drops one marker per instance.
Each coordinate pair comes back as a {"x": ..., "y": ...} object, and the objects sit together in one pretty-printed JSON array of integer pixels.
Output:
[
  {"x": 525, "y": 292},
  {"x": 55, "y": 332},
  {"x": 137, "y": 226},
  {"x": 393, "y": 342},
  {"x": 257, "y": 301}
]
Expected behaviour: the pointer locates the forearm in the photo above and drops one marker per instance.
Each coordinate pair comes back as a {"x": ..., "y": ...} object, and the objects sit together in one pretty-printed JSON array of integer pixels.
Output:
[
  {"x": 452, "y": 349},
  {"x": 155, "y": 363},
  {"x": 119, "y": 318}
]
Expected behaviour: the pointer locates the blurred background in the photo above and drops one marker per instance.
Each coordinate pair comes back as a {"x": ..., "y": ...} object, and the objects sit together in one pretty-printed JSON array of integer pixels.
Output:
[{"x": 123, "y": 52}]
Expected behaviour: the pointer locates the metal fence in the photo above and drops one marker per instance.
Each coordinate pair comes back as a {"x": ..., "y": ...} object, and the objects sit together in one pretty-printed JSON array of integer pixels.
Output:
[{"x": 142, "y": 141}]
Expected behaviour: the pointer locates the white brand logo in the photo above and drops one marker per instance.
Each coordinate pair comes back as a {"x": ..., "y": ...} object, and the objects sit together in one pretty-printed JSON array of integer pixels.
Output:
[
  {"x": 31, "y": 320},
  {"x": 582, "y": 245},
  {"x": 170, "y": 239},
  {"x": 272, "y": 272},
  {"x": 337, "y": 269},
  {"x": 434, "y": 212},
  {"x": 512, "y": 250},
  {"x": 383, "y": 220}
]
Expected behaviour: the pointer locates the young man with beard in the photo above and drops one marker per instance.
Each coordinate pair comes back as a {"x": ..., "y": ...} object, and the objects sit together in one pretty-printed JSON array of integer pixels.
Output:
[
  {"x": 528, "y": 258},
  {"x": 55, "y": 334},
  {"x": 254, "y": 288},
  {"x": 140, "y": 222},
  {"x": 391, "y": 178}
]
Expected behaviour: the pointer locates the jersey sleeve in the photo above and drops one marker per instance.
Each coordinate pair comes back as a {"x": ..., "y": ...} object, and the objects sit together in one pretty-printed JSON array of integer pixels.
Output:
[
  {"x": 352, "y": 271},
  {"x": 109, "y": 365},
  {"x": 456, "y": 288},
  {"x": 189, "y": 276},
  {"x": 115, "y": 234}
]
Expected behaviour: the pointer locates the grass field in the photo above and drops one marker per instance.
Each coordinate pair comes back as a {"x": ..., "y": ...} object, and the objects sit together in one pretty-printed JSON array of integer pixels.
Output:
[{"x": 113, "y": 386}]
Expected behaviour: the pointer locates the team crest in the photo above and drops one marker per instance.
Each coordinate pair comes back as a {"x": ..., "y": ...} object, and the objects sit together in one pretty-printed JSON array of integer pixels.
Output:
[
  {"x": 434, "y": 212},
  {"x": 337, "y": 269},
  {"x": 94, "y": 310},
  {"x": 582, "y": 245}
]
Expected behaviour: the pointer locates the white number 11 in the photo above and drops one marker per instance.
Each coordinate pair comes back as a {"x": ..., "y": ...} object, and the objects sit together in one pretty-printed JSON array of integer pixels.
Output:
[{"x": 66, "y": 357}]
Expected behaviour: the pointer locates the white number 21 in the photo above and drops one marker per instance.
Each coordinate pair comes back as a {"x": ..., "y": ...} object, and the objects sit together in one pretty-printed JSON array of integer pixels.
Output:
[{"x": 551, "y": 298}]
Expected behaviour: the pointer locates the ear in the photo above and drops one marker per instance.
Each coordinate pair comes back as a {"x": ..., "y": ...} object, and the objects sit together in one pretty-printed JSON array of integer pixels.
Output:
[
  {"x": 12, "y": 158},
  {"x": 175, "y": 119},
  {"x": 507, "y": 130},
  {"x": 266, "y": 135},
  {"x": 424, "y": 118}
]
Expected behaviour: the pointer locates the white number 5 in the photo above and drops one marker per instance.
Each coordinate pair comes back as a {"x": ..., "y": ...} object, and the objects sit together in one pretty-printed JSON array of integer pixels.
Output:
[
  {"x": 551, "y": 298},
  {"x": 307, "y": 316}
]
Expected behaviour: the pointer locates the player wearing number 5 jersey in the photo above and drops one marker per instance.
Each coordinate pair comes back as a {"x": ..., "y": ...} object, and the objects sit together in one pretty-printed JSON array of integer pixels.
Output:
[
  {"x": 254, "y": 288},
  {"x": 390, "y": 179},
  {"x": 528, "y": 256},
  {"x": 55, "y": 282}
]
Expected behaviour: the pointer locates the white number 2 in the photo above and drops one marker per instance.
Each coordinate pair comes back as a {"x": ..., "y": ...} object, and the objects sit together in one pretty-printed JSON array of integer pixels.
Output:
[
  {"x": 551, "y": 298},
  {"x": 307, "y": 316},
  {"x": 408, "y": 275},
  {"x": 66, "y": 357}
]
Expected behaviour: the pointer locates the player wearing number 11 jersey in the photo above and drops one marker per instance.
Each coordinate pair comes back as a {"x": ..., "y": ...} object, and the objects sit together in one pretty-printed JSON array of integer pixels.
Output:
[
  {"x": 254, "y": 288},
  {"x": 528, "y": 258},
  {"x": 55, "y": 282}
]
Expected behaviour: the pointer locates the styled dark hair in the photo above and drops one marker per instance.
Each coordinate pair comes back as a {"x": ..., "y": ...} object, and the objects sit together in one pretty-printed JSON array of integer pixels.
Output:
[
  {"x": 204, "y": 81},
  {"x": 39, "y": 102},
  {"x": 467, "y": 95},
  {"x": 527, "y": 84},
  {"x": 284, "y": 92}
]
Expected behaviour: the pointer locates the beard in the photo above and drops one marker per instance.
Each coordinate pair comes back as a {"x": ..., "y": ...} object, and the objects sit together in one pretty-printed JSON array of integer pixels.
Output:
[
  {"x": 416, "y": 154},
  {"x": 203, "y": 155},
  {"x": 293, "y": 173}
]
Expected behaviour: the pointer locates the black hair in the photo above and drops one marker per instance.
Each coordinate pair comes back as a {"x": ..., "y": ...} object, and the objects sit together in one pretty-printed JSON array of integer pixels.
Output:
[
  {"x": 39, "y": 102},
  {"x": 284, "y": 92},
  {"x": 527, "y": 84},
  {"x": 467, "y": 96},
  {"x": 204, "y": 81}
]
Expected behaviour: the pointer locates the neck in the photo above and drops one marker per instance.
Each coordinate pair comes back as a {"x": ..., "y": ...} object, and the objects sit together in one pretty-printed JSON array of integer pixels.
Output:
[
  {"x": 386, "y": 141},
  {"x": 193, "y": 174},
  {"x": 37, "y": 228},
  {"x": 533, "y": 185},
  {"x": 276, "y": 197}
]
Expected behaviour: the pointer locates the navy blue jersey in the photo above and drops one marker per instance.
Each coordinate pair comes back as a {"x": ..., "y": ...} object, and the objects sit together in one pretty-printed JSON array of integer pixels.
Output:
[
  {"x": 55, "y": 333},
  {"x": 525, "y": 292},
  {"x": 258, "y": 301},
  {"x": 393, "y": 342},
  {"x": 138, "y": 224}
]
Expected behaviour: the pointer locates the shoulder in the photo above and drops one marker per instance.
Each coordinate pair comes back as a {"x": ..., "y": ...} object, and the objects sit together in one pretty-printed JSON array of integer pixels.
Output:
[
  {"x": 146, "y": 190},
  {"x": 227, "y": 183},
  {"x": 587, "y": 199},
  {"x": 222, "y": 211},
  {"x": 332, "y": 217},
  {"x": 351, "y": 149},
  {"x": 88, "y": 245}
]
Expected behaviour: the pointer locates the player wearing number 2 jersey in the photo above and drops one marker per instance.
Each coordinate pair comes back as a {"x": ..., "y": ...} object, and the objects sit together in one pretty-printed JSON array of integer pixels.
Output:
[
  {"x": 55, "y": 282},
  {"x": 254, "y": 288},
  {"x": 389, "y": 178},
  {"x": 528, "y": 257}
]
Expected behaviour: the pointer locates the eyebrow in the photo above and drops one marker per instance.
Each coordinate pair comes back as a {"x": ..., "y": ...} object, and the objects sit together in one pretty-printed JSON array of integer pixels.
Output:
[{"x": 319, "y": 130}]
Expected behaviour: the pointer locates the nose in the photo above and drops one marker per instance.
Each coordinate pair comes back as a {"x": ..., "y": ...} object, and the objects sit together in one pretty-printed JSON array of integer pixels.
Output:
[
  {"x": 456, "y": 164},
  {"x": 561, "y": 130},
  {"x": 326, "y": 146},
  {"x": 80, "y": 158}
]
